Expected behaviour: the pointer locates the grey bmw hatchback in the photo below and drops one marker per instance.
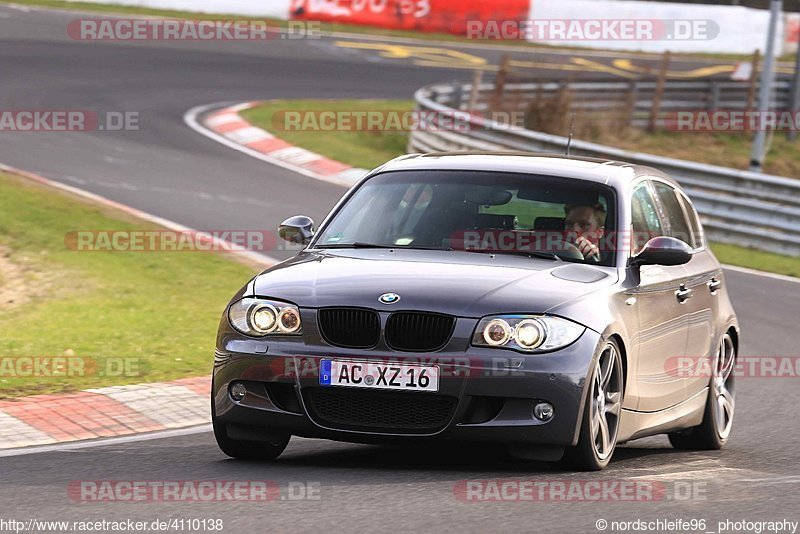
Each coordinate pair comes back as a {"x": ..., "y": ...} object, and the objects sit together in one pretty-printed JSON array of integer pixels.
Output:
[{"x": 558, "y": 306}]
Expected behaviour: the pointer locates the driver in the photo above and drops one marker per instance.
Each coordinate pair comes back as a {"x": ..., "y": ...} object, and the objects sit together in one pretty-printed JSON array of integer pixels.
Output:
[{"x": 585, "y": 225}]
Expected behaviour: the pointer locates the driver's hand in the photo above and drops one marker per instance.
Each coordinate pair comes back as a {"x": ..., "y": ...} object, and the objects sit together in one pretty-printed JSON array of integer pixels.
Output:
[{"x": 588, "y": 249}]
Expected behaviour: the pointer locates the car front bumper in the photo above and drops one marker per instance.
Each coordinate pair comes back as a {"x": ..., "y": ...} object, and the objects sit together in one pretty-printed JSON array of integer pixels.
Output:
[{"x": 485, "y": 395}]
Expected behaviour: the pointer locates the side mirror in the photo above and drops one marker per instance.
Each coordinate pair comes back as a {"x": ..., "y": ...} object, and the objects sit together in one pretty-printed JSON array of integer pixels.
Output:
[
  {"x": 664, "y": 251},
  {"x": 298, "y": 229}
]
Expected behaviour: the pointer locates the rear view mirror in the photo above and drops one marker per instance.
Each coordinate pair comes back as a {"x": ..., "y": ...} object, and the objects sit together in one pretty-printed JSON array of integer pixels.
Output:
[
  {"x": 489, "y": 196},
  {"x": 298, "y": 229},
  {"x": 664, "y": 251}
]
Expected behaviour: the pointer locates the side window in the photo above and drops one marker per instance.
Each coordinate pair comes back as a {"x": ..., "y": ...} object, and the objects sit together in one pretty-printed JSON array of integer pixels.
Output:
[
  {"x": 694, "y": 222},
  {"x": 678, "y": 226},
  {"x": 644, "y": 217}
]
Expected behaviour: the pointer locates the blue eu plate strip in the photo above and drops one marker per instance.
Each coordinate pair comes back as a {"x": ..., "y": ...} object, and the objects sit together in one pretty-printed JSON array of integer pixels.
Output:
[{"x": 325, "y": 372}]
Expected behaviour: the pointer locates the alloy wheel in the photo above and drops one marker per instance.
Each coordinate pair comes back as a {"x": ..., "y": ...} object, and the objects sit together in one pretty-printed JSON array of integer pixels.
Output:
[
  {"x": 722, "y": 385},
  {"x": 606, "y": 402}
]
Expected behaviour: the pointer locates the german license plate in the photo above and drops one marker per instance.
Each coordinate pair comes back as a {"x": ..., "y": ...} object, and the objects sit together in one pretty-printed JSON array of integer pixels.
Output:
[{"x": 371, "y": 375}]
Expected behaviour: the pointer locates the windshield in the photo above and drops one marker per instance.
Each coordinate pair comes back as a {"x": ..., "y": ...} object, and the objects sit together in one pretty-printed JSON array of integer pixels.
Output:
[{"x": 483, "y": 212}]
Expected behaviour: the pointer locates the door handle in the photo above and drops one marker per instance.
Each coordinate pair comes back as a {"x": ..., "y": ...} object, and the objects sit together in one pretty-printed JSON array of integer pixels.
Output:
[
  {"x": 714, "y": 285},
  {"x": 683, "y": 294}
]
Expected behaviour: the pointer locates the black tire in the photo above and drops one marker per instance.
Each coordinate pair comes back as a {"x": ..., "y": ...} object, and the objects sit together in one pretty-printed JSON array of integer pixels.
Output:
[
  {"x": 711, "y": 435},
  {"x": 585, "y": 456},
  {"x": 242, "y": 449},
  {"x": 249, "y": 450}
]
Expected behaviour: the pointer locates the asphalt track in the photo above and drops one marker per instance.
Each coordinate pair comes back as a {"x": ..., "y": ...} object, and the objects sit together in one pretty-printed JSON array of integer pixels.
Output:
[{"x": 168, "y": 170}]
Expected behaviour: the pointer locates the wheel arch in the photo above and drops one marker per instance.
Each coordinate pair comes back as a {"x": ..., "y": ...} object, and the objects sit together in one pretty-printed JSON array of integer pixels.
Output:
[
  {"x": 624, "y": 357},
  {"x": 734, "y": 333}
]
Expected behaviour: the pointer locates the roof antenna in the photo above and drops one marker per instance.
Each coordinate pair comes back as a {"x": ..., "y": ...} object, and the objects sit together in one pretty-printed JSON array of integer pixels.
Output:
[{"x": 571, "y": 132}]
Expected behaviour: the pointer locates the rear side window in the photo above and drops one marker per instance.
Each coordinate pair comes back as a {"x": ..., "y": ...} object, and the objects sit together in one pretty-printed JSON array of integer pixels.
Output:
[
  {"x": 694, "y": 222},
  {"x": 644, "y": 217},
  {"x": 675, "y": 217}
]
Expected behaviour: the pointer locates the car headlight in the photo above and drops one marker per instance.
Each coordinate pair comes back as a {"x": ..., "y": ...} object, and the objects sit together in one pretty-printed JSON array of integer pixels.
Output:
[
  {"x": 497, "y": 333},
  {"x": 527, "y": 333},
  {"x": 260, "y": 317}
]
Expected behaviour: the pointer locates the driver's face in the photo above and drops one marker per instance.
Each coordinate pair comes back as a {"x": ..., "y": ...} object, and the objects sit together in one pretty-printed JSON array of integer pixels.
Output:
[{"x": 583, "y": 220}]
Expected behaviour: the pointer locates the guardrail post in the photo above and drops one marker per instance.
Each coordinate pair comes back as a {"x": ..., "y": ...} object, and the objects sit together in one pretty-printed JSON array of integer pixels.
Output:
[
  {"x": 477, "y": 80},
  {"x": 500, "y": 82},
  {"x": 662, "y": 78},
  {"x": 713, "y": 102},
  {"x": 457, "y": 96},
  {"x": 630, "y": 102}
]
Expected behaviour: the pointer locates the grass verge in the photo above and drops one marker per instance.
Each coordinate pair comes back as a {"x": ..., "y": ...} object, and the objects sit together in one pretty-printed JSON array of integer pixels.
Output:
[
  {"x": 369, "y": 149},
  {"x": 755, "y": 259},
  {"x": 121, "y": 317},
  {"x": 365, "y": 149},
  {"x": 727, "y": 150}
]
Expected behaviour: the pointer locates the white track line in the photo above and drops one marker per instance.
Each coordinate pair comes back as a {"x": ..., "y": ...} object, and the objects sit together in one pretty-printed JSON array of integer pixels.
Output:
[
  {"x": 71, "y": 446},
  {"x": 192, "y": 121},
  {"x": 754, "y": 272},
  {"x": 772, "y": 481},
  {"x": 17, "y": 7}
]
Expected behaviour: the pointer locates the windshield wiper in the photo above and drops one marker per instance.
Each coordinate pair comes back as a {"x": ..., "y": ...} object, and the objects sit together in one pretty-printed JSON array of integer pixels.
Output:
[
  {"x": 360, "y": 244},
  {"x": 527, "y": 254},
  {"x": 356, "y": 244}
]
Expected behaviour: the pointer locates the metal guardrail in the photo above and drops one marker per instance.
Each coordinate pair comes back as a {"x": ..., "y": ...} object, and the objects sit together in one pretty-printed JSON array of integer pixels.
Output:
[
  {"x": 744, "y": 208},
  {"x": 631, "y": 100}
]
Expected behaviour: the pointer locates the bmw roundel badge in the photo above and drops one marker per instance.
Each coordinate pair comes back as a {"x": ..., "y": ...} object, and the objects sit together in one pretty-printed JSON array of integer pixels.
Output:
[{"x": 389, "y": 298}]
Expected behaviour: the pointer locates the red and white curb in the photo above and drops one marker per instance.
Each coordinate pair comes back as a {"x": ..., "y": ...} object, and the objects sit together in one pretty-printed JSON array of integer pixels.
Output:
[
  {"x": 104, "y": 412},
  {"x": 226, "y": 126}
]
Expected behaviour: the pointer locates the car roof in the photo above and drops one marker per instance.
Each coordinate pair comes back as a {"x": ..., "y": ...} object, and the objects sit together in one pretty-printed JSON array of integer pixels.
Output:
[{"x": 616, "y": 174}]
